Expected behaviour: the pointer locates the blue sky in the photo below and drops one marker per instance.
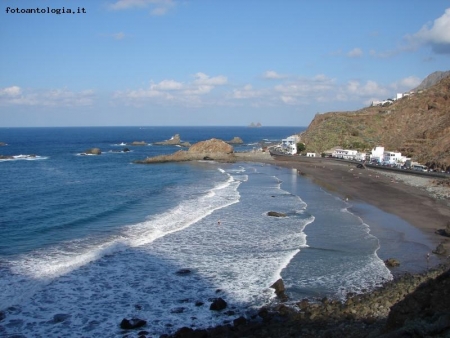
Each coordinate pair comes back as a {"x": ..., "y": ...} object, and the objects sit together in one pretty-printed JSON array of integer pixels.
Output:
[{"x": 194, "y": 62}]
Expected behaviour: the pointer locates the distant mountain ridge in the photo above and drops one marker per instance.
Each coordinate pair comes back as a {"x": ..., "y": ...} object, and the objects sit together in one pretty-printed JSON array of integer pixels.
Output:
[
  {"x": 431, "y": 80},
  {"x": 417, "y": 125}
]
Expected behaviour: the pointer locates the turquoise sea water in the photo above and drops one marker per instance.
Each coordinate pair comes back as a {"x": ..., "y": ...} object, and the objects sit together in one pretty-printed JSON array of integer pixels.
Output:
[{"x": 88, "y": 240}]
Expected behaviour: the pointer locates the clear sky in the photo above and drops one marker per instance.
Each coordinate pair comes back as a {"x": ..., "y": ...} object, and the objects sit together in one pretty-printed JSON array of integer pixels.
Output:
[{"x": 211, "y": 62}]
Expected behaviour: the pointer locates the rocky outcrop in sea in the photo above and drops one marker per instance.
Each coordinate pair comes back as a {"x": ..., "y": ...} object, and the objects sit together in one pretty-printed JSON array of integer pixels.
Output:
[
  {"x": 6, "y": 157},
  {"x": 92, "y": 151},
  {"x": 174, "y": 141},
  {"x": 213, "y": 149},
  {"x": 235, "y": 140},
  {"x": 137, "y": 143}
]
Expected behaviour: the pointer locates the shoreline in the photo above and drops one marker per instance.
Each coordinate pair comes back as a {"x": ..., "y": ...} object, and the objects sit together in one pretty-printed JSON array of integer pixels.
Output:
[{"x": 407, "y": 197}]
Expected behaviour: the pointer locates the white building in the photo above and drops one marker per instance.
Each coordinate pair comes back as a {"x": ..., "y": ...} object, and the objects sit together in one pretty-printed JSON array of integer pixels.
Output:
[
  {"x": 311, "y": 155},
  {"x": 376, "y": 154},
  {"x": 381, "y": 103},
  {"x": 289, "y": 144},
  {"x": 345, "y": 154},
  {"x": 360, "y": 156},
  {"x": 390, "y": 157}
]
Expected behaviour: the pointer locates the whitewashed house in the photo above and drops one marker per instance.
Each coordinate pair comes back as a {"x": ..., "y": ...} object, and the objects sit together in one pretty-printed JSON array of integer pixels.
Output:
[
  {"x": 311, "y": 155},
  {"x": 360, "y": 156},
  {"x": 394, "y": 158},
  {"x": 345, "y": 154},
  {"x": 289, "y": 144},
  {"x": 381, "y": 103},
  {"x": 351, "y": 154},
  {"x": 390, "y": 157},
  {"x": 338, "y": 153},
  {"x": 376, "y": 154}
]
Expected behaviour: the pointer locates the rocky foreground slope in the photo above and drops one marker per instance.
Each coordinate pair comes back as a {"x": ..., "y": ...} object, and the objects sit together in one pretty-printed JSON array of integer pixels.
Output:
[
  {"x": 411, "y": 306},
  {"x": 417, "y": 125}
]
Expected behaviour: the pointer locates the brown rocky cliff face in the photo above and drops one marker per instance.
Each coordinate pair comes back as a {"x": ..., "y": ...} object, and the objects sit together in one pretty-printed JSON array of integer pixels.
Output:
[{"x": 417, "y": 125}]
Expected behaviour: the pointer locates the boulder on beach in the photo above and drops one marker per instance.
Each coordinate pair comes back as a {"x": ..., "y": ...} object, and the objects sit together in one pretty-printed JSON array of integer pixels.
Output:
[
  {"x": 276, "y": 214},
  {"x": 391, "y": 262},
  {"x": 440, "y": 250},
  {"x": 93, "y": 151},
  {"x": 447, "y": 229},
  {"x": 444, "y": 232}
]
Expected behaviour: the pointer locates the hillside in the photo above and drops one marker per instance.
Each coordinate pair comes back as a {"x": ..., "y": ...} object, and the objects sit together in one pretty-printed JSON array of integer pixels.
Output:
[{"x": 417, "y": 125}]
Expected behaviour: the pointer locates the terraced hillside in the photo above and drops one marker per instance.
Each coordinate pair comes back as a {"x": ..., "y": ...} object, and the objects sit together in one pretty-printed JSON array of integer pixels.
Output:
[{"x": 417, "y": 125}]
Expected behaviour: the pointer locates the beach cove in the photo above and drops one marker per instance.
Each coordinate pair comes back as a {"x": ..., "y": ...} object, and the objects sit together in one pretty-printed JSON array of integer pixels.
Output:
[{"x": 91, "y": 240}]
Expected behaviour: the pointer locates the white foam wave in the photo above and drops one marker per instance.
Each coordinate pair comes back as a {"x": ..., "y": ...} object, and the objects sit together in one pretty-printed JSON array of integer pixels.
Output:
[
  {"x": 24, "y": 158},
  {"x": 61, "y": 260}
]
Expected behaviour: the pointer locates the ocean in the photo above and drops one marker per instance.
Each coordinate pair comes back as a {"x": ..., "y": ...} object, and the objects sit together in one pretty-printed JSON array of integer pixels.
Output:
[{"x": 89, "y": 240}]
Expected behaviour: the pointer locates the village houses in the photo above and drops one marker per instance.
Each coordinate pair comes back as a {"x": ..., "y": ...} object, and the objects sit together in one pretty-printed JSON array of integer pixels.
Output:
[{"x": 377, "y": 155}]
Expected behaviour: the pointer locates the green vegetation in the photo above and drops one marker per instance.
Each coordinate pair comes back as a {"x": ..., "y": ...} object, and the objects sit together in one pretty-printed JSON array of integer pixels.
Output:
[{"x": 300, "y": 147}]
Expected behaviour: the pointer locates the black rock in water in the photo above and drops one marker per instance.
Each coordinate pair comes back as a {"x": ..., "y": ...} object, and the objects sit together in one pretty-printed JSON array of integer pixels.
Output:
[
  {"x": 134, "y": 323},
  {"x": 218, "y": 304}
]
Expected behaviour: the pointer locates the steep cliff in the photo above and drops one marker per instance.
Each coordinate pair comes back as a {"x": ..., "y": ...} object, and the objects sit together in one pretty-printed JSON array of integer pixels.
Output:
[{"x": 417, "y": 125}]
